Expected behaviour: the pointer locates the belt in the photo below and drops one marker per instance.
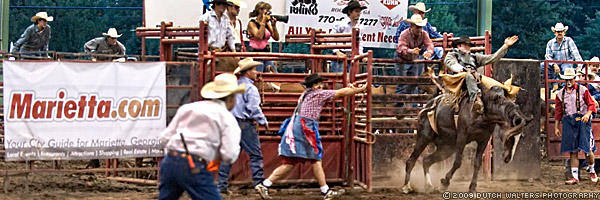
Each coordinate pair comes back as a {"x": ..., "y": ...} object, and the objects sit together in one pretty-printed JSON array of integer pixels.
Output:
[
  {"x": 184, "y": 155},
  {"x": 245, "y": 120}
]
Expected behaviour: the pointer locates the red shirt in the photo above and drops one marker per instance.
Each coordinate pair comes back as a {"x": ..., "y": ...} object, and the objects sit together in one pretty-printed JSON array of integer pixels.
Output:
[
  {"x": 408, "y": 41},
  {"x": 570, "y": 97}
]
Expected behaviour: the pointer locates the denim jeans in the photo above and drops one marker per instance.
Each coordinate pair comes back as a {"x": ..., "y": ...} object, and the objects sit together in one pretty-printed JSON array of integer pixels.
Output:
[
  {"x": 263, "y": 67},
  {"x": 336, "y": 66},
  {"x": 176, "y": 177},
  {"x": 438, "y": 53},
  {"x": 414, "y": 69},
  {"x": 251, "y": 144}
]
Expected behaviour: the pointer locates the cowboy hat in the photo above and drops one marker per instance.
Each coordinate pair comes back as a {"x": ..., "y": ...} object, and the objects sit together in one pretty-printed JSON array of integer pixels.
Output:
[
  {"x": 112, "y": 32},
  {"x": 218, "y": 2},
  {"x": 223, "y": 85},
  {"x": 594, "y": 59},
  {"x": 417, "y": 20},
  {"x": 246, "y": 64},
  {"x": 312, "y": 79},
  {"x": 419, "y": 6},
  {"x": 462, "y": 40},
  {"x": 42, "y": 15},
  {"x": 351, "y": 6},
  {"x": 569, "y": 74},
  {"x": 237, "y": 3},
  {"x": 559, "y": 27}
]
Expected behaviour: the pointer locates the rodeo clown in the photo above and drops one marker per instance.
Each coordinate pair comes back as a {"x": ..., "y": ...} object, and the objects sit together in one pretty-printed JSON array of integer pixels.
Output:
[{"x": 574, "y": 108}]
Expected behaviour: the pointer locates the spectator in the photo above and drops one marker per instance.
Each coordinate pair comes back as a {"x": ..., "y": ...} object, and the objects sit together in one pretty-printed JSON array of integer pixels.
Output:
[
  {"x": 108, "y": 44},
  {"x": 220, "y": 34},
  {"x": 419, "y": 9},
  {"x": 37, "y": 36},
  {"x": 260, "y": 30},
  {"x": 560, "y": 48},
  {"x": 233, "y": 10},
  {"x": 352, "y": 10}
]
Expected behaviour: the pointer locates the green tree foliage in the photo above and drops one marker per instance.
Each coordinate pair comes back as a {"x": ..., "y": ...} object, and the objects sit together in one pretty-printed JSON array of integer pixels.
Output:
[{"x": 589, "y": 40}]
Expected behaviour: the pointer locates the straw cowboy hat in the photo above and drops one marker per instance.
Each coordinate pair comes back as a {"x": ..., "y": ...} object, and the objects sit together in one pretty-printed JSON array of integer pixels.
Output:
[
  {"x": 42, "y": 15},
  {"x": 419, "y": 6},
  {"x": 417, "y": 20},
  {"x": 246, "y": 64},
  {"x": 569, "y": 74},
  {"x": 559, "y": 27},
  {"x": 112, "y": 32},
  {"x": 351, "y": 6},
  {"x": 223, "y": 85},
  {"x": 237, "y": 3},
  {"x": 594, "y": 59},
  {"x": 312, "y": 79},
  {"x": 462, "y": 40}
]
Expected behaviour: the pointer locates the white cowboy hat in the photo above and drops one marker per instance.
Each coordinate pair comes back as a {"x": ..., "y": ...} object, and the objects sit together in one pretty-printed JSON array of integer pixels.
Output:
[
  {"x": 237, "y": 3},
  {"x": 419, "y": 6},
  {"x": 112, "y": 32},
  {"x": 42, "y": 15},
  {"x": 569, "y": 74},
  {"x": 246, "y": 64},
  {"x": 589, "y": 71},
  {"x": 594, "y": 59},
  {"x": 417, "y": 20},
  {"x": 560, "y": 27},
  {"x": 223, "y": 85}
]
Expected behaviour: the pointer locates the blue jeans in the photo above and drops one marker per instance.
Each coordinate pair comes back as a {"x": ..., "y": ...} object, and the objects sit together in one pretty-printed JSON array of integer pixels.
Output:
[
  {"x": 251, "y": 144},
  {"x": 263, "y": 67},
  {"x": 176, "y": 177},
  {"x": 336, "y": 66},
  {"x": 438, "y": 53},
  {"x": 408, "y": 70}
]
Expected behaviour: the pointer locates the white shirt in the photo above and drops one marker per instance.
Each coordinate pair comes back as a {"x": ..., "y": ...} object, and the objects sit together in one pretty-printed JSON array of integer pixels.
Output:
[
  {"x": 219, "y": 31},
  {"x": 209, "y": 129},
  {"x": 345, "y": 26}
]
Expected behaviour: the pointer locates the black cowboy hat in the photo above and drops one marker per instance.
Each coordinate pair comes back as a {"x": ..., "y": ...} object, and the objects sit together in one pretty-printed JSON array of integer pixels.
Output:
[
  {"x": 351, "y": 6},
  {"x": 462, "y": 40},
  {"x": 218, "y": 2},
  {"x": 312, "y": 79}
]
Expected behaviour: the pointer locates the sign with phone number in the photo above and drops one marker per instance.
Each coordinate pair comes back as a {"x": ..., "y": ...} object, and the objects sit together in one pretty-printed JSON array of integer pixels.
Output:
[{"x": 380, "y": 19}]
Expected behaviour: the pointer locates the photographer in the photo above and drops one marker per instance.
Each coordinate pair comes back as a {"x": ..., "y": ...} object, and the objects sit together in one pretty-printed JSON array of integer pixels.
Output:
[{"x": 260, "y": 29}]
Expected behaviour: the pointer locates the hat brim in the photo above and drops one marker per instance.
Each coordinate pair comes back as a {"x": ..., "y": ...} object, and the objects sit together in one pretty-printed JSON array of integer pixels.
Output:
[
  {"x": 413, "y": 8},
  {"x": 564, "y": 29},
  {"x": 346, "y": 9},
  {"x": 241, "y": 4},
  {"x": 454, "y": 44},
  {"x": 320, "y": 79},
  {"x": 209, "y": 92},
  {"x": 112, "y": 36},
  {"x": 567, "y": 77},
  {"x": 35, "y": 18},
  {"x": 218, "y": 2},
  {"x": 246, "y": 67},
  {"x": 423, "y": 23}
]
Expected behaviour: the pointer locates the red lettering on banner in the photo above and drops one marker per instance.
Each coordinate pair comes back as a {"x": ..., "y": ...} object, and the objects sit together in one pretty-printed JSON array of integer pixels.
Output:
[
  {"x": 19, "y": 106},
  {"x": 92, "y": 105},
  {"x": 39, "y": 109},
  {"x": 70, "y": 108},
  {"x": 390, "y": 4},
  {"x": 82, "y": 103},
  {"x": 104, "y": 109},
  {"x": 50, "y": 107}
]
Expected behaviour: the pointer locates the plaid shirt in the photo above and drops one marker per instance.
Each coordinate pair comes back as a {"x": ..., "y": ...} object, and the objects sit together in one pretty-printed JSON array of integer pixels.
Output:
[
  {"x": 566, "y": 50},
  {"x": 313, "y": 103}
]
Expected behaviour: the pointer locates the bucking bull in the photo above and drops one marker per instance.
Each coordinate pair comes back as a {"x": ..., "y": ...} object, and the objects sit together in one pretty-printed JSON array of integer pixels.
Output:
[{"x": 450, "y": 137}]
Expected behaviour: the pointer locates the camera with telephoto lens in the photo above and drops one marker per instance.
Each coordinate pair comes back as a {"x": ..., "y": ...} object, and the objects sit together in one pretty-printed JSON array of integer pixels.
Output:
[{"x": 281, "y": 18}]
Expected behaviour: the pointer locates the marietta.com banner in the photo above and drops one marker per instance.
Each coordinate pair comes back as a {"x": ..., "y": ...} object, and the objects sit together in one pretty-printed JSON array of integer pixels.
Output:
[
  {"x": 380, "y": 19},
  {"x": 75, "y": 110}
]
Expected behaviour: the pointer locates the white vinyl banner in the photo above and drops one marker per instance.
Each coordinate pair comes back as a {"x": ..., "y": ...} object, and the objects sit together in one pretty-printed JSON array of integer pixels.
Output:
[
  {"x": 380, "y": 19},
  {"x": 75, "y": 110}
]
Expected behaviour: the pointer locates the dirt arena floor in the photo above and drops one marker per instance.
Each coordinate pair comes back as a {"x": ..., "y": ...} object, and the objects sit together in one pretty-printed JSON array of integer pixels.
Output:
[{"x": 95, "y": 186}]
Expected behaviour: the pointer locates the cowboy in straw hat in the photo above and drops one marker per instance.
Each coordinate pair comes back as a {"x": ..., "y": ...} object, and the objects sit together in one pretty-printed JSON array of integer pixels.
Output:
[
  {"x": 233, "y": 10},
  {"x": 461, "y": 59},
  {"x": 301, "y": 128},
  {"x": 353, "y": 11},
  {"x": 574, "y": 108},
  {"x": 419, "y": 9},
  {"x": 105, "y": 45},
  {"x": 560, "y": 47},
  {"x": 201, "y": 132},
  {"x": 247, "y": 111},
  {"x": 595, "y": 67},
  {"x": 413, "y": 44},
  {"x": 37, "y": 36}
]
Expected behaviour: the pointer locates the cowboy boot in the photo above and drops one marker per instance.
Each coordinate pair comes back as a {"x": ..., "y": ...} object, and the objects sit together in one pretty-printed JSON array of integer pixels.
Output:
[{"x": 477, "y": 105}]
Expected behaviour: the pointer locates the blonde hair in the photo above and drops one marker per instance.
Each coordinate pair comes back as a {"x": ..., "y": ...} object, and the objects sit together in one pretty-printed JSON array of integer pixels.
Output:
[{"x": 259, "y": 6}]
